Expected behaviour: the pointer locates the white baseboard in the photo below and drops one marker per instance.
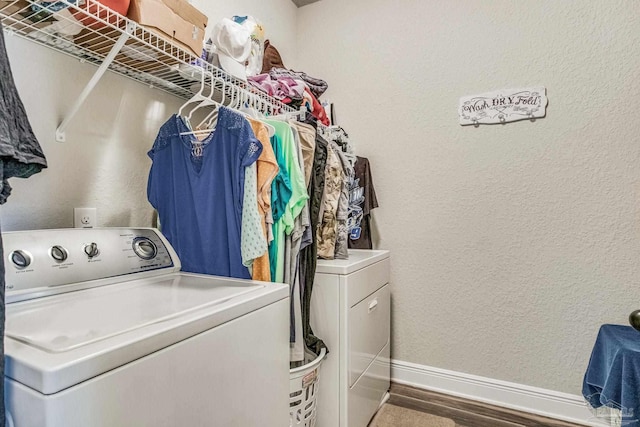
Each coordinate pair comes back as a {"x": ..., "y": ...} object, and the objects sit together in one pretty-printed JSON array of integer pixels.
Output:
[{"x": 548, "y": 403}]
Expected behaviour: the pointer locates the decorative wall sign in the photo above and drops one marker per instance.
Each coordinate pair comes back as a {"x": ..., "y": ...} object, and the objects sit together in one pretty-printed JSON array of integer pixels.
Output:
[{"x": 503, "y": 106}]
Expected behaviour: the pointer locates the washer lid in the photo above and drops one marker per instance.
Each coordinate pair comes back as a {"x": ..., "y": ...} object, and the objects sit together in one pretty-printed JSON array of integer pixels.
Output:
[
  {"x": 58, "y": 341},
  {"x": 358, "y": 259}
]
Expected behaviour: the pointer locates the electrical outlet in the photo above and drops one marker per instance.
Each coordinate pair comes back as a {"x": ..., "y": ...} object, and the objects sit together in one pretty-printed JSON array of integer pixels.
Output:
[{"x": 84, "y": 217}]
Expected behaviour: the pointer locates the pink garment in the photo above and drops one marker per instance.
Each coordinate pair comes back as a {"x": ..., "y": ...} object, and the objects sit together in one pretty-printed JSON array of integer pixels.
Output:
[{"x": 281, "y": 88}]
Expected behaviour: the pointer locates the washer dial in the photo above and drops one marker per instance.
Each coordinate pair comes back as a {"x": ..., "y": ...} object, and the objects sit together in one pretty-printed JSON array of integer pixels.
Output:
[
  {"x": 20, "y": 259},
  {"x": 91, "y": 250},
  {"x": 58, "y": 253},
  {"x": 144, "y": 248}
]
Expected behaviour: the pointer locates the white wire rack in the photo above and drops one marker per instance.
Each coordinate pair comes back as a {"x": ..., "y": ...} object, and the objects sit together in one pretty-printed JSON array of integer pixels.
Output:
[{"x": 93, "y": 33}]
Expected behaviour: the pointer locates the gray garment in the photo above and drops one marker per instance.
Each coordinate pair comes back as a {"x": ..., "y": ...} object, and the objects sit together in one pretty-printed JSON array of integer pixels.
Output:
[
  {"x": 303, "y": 221},
  {"x": 20, "y": 156},
  {"x": 307, "y": 136},
  {"x": 296, "y": 347},
  {"x": 292, "y": 241},
  {"x": 20, "y": 151},
  {"x": 2, "y": 317},
  {"x": 307, "y": 237},
  {"x": 291, "y": 276},
  {"x": 342, "y": 214},
  {"x": 307, "y": 144}
]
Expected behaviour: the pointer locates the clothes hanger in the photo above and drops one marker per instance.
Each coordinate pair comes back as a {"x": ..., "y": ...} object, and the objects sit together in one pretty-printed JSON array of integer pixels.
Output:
[
  {"x": 196, "y": 97},
  {"x": 248, "y": 105},
  {"x": 210, "y": 119},
  {"x": 239, "y": 102},
  {"x": 299, "y": 115},
  {"x": 235, "y": 97},
  {"x": 208, "y": 100},
  {"x": 260, "y": 115}
]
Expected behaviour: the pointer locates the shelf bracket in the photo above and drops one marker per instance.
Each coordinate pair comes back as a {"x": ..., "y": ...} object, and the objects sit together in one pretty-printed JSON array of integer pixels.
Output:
[{"x": 60, "y": 131}]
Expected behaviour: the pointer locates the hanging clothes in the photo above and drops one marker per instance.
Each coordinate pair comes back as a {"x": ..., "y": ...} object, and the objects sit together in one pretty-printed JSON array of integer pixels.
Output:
[
  {"x": 281, "y": 186},
  {"x": 328, "y": 222},
  {"x": 197, "y": 187},
  {"x": 300, "y": 223},
  {"x": 267, "y": 169},
  {"x": 342, "y": 213},
  {"x": 309, "y": 255},
  {"x": 307, "y": 137},
  {"x": 285, "y": 223},
  {"x": 20, "y": 156},
  {"x": 253, "y": 241},
  {"x": 289, "y": 227},
  {"x": 307, "y": 134},
  {"x": 281, "y": 192},
  {"x": 362, "y": 200},
  {"x": 293, "y": 242}
]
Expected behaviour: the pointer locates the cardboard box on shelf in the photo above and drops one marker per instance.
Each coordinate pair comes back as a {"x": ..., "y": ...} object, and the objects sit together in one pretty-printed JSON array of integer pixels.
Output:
[
  {"x": 134, "y": 55},
  {"x": 175, "y": 19}
]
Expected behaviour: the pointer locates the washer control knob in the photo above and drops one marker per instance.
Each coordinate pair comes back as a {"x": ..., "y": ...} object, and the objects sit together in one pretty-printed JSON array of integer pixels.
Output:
[
  {"x": 144, "y": 248},
  {"x": 58, "y": 253},
  {"x": 20, "y": 259},
  {"x": 91, "y": 250}
]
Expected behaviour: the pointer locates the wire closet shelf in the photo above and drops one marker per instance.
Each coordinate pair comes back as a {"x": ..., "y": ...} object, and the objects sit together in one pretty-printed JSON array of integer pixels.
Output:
[{"x": 93, "y": 33}]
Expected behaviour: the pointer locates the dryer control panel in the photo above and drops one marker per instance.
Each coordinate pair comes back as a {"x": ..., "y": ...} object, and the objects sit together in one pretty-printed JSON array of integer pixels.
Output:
[{"x": 40, "y": 260}]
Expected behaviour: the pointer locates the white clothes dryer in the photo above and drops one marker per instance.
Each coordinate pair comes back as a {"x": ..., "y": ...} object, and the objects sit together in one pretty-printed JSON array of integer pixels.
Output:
[{"x": 350, "y": 311}]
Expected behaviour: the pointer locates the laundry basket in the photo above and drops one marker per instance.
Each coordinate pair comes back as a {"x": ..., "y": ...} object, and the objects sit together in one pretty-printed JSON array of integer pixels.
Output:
[{"x": 303, "y": 390}]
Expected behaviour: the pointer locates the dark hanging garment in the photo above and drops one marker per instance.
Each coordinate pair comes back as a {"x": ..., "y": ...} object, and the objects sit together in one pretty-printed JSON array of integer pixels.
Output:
[
  {"x": 362, "y": 200},
  {"x": 20, "y": 151},
  {"x": 20, "y": 156},
  {"x": 309, "y": 255}
]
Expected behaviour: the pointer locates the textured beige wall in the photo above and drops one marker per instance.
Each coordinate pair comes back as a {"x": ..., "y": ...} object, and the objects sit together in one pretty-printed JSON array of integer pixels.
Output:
[
  {"x": 103, "y": 164},
  {"x": 511, "y": 243}
]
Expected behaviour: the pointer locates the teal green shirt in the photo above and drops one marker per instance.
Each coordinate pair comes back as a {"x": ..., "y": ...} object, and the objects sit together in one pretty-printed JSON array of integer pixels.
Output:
[{"x": 284, "y": 224}]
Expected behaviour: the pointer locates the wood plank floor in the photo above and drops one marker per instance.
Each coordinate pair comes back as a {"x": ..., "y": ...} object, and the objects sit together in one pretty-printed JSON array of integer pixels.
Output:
[{"x": 466, "y": 413}]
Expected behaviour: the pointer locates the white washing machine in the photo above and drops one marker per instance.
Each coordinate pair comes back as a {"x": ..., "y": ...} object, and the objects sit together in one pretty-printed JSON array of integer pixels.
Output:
[
  {"x": 350, "y": 311},
  {"x": 102, "y": 330}
]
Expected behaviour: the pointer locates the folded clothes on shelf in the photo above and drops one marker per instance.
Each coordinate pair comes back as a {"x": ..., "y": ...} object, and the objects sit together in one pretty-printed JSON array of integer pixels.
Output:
[
  {"x": 280, "y": 88},
  {"x": 316, "y": 86}
]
